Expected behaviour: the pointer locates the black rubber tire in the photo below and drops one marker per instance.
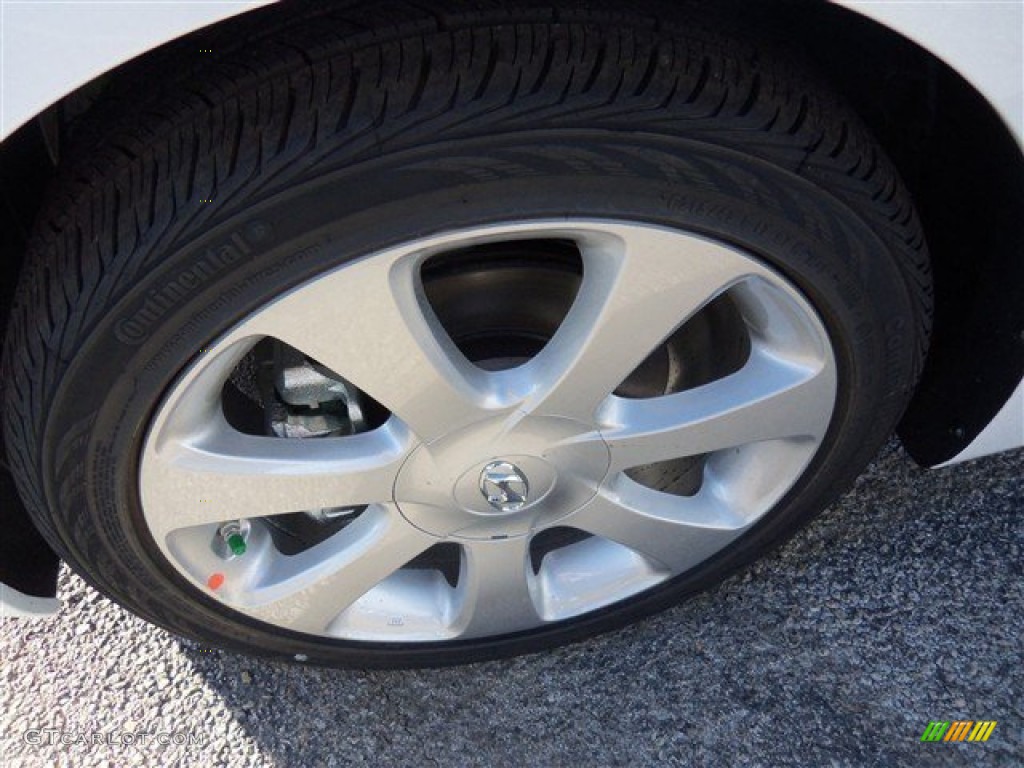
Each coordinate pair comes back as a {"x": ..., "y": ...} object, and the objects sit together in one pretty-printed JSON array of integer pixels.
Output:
[{"x": 197, "y": 190}]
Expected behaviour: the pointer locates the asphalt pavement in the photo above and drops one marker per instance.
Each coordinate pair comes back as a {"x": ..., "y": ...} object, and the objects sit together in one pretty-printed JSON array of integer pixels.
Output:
[{"x": 901, "y": 605}]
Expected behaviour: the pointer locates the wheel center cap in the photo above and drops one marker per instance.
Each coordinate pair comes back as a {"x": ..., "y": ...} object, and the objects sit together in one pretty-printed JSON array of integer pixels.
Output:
[
  {"x": 501, "y": 477},
  {"x": 504, "y": 486}
]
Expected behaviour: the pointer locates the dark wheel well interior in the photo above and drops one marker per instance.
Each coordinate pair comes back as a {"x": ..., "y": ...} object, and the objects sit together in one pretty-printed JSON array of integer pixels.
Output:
[
  {"x": 966, "y": 174},
  {"x": 961, "y": 163}
]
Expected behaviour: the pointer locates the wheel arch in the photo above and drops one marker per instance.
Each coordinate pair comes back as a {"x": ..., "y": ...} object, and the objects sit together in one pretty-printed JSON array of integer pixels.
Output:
[{"x": 962, "y": 163}]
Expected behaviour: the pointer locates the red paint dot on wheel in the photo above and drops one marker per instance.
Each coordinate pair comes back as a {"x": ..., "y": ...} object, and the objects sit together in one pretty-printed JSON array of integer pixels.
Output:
[{"x": 215, "y": 581}]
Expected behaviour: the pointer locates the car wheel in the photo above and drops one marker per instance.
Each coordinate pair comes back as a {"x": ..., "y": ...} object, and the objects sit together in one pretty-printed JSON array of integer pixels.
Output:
[{"x": 456, "y": 340}]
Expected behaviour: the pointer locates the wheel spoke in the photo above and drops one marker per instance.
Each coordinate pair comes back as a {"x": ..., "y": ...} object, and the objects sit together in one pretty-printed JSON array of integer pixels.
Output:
[
  {"x": 768, "y": 398},
  {"x": 305, "y": 592},
  {"x": 496, "y": 588},
  {"x": 635, "y": 293},
  {"x": 369, "y": 323},
  {"x": 676, "y": 532},
  {"x": 221, "y": 474}
]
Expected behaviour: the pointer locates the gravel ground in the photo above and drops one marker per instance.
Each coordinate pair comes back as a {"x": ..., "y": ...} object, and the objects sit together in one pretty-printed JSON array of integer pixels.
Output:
[{"x": 902, "y": 604}]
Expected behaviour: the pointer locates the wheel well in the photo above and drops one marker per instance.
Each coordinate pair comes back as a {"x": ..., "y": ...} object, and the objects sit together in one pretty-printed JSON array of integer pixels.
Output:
[{"x": 962, "y": 165}]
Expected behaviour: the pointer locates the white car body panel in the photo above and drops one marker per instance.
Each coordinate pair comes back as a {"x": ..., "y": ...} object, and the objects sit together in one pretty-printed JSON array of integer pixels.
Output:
[
  {"x": 49, "y": 49},
  {"x": 983, "y": 40},
  {"x": 15, "y": 604},
  {"x": 1005, "y": 431}
]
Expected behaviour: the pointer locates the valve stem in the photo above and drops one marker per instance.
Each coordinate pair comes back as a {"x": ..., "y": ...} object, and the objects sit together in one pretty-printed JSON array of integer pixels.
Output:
[{"x": 232, "y": 535}]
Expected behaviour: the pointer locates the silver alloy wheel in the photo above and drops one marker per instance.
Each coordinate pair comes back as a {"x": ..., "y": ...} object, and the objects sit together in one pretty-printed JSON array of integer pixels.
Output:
[{"x": 553, "y": 419}]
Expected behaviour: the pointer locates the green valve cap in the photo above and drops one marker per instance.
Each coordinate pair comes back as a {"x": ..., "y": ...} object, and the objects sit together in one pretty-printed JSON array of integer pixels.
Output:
[{"x": 237, "y": 544}]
